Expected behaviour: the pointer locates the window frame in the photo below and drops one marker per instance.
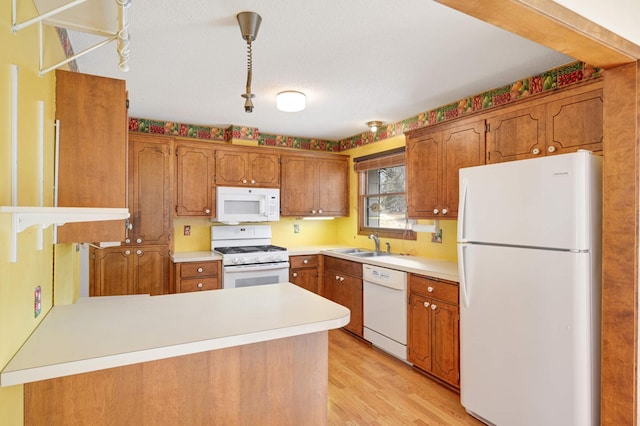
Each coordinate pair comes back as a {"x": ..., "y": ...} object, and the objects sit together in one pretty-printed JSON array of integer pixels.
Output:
[{"x": 362, "y": 165}]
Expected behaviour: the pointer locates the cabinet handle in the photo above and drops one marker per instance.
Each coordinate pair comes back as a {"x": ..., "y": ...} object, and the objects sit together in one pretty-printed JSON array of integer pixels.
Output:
[
  {"x": 207, "y": 211},
  {"x": 433, "y": 307},
  {"x": 320, "y": 211},
  {"x": 253, "y": 181},
  {"x": 139, "y": 240},
  {"x": 305, "y": 261},
  {"x": 426, "y": 304},
  {"x": 313, "y": 211},
  {"x": 445, "y": 211},
  {"x": 430, "y": 289},
  {"x": 127, "y": 241},
  {"x": 551, "y": 149},
  {"x": 200, "y": 269},
  {"x": 535, "y": 151},
  {"x": 337, "y": 278},
  {"x": 244, "y": 181},
  {"x": 341, "y": 279},
  {"x": 200, "y": 285},
  {"x": 436, "y": 211},
  {"x": 295, "y": 275},
  {"x": 138, "y": 252},
  {"x": 127, "y": 252}
]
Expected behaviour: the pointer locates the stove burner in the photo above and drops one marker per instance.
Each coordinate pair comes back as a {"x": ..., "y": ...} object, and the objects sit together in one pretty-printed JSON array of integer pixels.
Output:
[{"x": 249, "y": 249}]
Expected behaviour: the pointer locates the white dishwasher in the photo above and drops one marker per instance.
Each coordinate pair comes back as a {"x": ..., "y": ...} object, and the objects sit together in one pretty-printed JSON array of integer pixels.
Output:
[{"x": 385, "y": 309}]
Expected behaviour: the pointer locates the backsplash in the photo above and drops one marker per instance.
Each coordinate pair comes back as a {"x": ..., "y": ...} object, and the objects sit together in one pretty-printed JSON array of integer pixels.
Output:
[{"x": 530, "y": 86}]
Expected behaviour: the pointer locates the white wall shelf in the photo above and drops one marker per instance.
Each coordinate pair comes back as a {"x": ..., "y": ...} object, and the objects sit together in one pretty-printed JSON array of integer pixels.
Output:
[{"x": 24, "y": 217}]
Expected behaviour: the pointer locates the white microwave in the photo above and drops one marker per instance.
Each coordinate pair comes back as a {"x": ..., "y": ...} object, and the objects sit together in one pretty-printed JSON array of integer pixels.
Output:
[{"x": 237, "y": 205}]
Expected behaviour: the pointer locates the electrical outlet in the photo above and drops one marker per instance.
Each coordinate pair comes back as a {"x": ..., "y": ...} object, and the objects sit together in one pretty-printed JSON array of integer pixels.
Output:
[
  {"x": 296, "y": 228},
  {"x": 37, "y": 301},
  {"x": 187, "y": 230}
]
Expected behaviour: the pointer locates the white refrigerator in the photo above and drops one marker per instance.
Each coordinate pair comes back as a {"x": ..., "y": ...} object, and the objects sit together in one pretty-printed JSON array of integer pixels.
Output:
[{"x": 529, "y": 254}]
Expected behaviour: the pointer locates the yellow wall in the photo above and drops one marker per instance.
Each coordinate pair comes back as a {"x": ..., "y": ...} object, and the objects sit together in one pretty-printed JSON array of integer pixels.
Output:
[
  {"x": 33, "y": 268},
  {"x": 340, "y": 231}
]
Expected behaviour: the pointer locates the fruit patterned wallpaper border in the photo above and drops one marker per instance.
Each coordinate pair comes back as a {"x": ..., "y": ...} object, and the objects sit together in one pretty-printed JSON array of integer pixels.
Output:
[
  {"x": 530, "y": 86},
  {"x": 63, "y": 36}
]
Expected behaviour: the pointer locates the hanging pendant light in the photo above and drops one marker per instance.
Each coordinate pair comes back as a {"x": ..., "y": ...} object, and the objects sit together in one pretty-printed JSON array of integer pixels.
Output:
[{"x": 249, "y": 25}]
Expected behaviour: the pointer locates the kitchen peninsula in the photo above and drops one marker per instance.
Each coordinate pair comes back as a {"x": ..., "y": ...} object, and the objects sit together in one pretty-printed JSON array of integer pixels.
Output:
[{"x": 248, "y": 355}]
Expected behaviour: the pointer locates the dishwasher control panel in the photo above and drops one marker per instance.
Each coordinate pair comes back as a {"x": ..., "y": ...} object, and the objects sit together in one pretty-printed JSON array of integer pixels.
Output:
[{"x": 384, "y": 276}]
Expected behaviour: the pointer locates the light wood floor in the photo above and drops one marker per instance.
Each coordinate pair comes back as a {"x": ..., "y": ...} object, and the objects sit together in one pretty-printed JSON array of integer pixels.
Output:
[{"x": 369, "y": 387}]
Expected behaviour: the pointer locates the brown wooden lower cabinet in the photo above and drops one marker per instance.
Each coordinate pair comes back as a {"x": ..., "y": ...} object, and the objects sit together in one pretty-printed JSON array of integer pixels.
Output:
[
  {"x": 304, "y": 271},
  {"x": 342, "y": 283},
  {"x": 433, "y": 328},
  {"x": 197, "y": 276},
  {"x": 116, "y": 271},
  {"x": 278, "y": 382}
]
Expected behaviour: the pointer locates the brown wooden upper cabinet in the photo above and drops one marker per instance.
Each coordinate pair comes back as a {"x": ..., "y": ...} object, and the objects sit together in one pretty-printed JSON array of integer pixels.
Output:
[
  {"x": 314, "y": 185},
  {"x": 194, "y": 183},
  {"x": 561, "y": 122},
  {"x": 150, "y": 177},
  {"x": 243, "y": 167},
  {"x": 93, "y": 152},
  {"x": 434, "y": 156}
]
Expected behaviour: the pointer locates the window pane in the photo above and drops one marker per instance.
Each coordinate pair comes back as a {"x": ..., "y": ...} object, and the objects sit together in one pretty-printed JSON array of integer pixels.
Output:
[
  {"x": 385, "y": 212},
  {"x": 385, "y": 181}
]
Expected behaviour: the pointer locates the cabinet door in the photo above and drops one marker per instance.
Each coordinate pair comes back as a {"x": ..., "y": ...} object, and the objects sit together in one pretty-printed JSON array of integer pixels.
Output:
[
  {"x": 575, "y": 123},
  {"x": 516, "y": 135},
  {"x": 352, "y": 293},
  {"x": 149, "y": 190},
  {"x": 423, "y": 168},
  {"x": 445, "y": 361},
  {"x": 332, "y": 288},
  {"x": 194, "y": 181},
  {"x": 151, "y": 275},
  {"x": 92, "y": 152},
  {"x": 306, "y": 278},
  {"x": 232, "y": 168},
  {"x": 111, "y": 271},
  {"x": 332, "y": 187},
  {"x": 462, "y": 146},
  {"x": 299, "y": 186},
  {"x": 265, "y": 170},
  {"x": 419, "y": 331}
]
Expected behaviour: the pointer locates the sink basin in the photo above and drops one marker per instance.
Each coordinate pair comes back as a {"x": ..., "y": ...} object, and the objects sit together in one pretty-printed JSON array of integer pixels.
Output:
[
  {"x": 355, "y": 251},
  {"x": 369, "y": 254}
]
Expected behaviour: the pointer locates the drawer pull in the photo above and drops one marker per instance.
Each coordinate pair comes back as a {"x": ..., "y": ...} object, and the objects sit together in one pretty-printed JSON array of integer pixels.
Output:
[
  {"x": 200, "y": 285},
  {"x": 295, "y": 275},
  {"x": 305, "y": 261},
  {"x": 200, "y": 269},
  {"x": 430, "y": 289}
]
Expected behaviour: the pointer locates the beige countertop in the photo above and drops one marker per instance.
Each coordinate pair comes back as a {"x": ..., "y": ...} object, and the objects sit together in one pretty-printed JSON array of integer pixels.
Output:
[
  {"x": 442, "y": 269},
  {"x": 116, "y": 331}
]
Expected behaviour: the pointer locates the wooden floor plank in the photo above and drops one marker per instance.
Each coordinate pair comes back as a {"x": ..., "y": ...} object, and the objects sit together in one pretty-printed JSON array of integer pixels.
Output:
[{"x": 368, "y": 386}]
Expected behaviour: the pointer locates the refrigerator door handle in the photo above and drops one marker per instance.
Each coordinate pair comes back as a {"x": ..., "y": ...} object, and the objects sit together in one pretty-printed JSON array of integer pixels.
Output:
[
  {"x": 462, "y": 210},
  {"x": 465, "y": 296}
]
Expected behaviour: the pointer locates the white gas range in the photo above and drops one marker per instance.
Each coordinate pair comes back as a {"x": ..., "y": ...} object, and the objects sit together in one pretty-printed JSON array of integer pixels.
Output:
[{"x": 248, "y": 258}]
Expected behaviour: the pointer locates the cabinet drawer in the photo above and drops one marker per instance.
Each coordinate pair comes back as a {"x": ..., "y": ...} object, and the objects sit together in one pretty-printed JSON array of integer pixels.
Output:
[
  {"x": 198, "y": 269},
  {"x": 196, "y": 284},
  {"x": 304, "y": 261},
  {"x": 344, "y": 266},
  {"x": 443, "y": 290}
]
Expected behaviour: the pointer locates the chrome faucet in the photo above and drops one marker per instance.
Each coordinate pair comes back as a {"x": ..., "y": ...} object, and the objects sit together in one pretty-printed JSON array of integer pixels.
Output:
[{"x": 376, "y": 240}]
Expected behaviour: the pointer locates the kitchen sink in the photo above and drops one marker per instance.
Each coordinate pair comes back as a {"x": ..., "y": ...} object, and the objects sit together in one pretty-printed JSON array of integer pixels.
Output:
[
  {"x": 354, "y": 251},
  {"x": 370, "y": 254}
]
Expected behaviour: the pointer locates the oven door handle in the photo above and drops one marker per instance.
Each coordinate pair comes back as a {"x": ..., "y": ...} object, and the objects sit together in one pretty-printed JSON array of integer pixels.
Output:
[{"x": 258, "y": 267}]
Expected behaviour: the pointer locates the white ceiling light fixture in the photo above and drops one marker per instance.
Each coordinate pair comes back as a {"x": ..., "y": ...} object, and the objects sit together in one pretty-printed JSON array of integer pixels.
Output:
[
  {"x": 374, "y": 125},
  {"x": 291, "y": 101},
  {"x": 249, "y": 25}
]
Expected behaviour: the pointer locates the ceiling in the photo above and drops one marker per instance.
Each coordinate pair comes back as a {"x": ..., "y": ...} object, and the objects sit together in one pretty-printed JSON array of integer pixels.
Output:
[{"x": 356, "y": 60}]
